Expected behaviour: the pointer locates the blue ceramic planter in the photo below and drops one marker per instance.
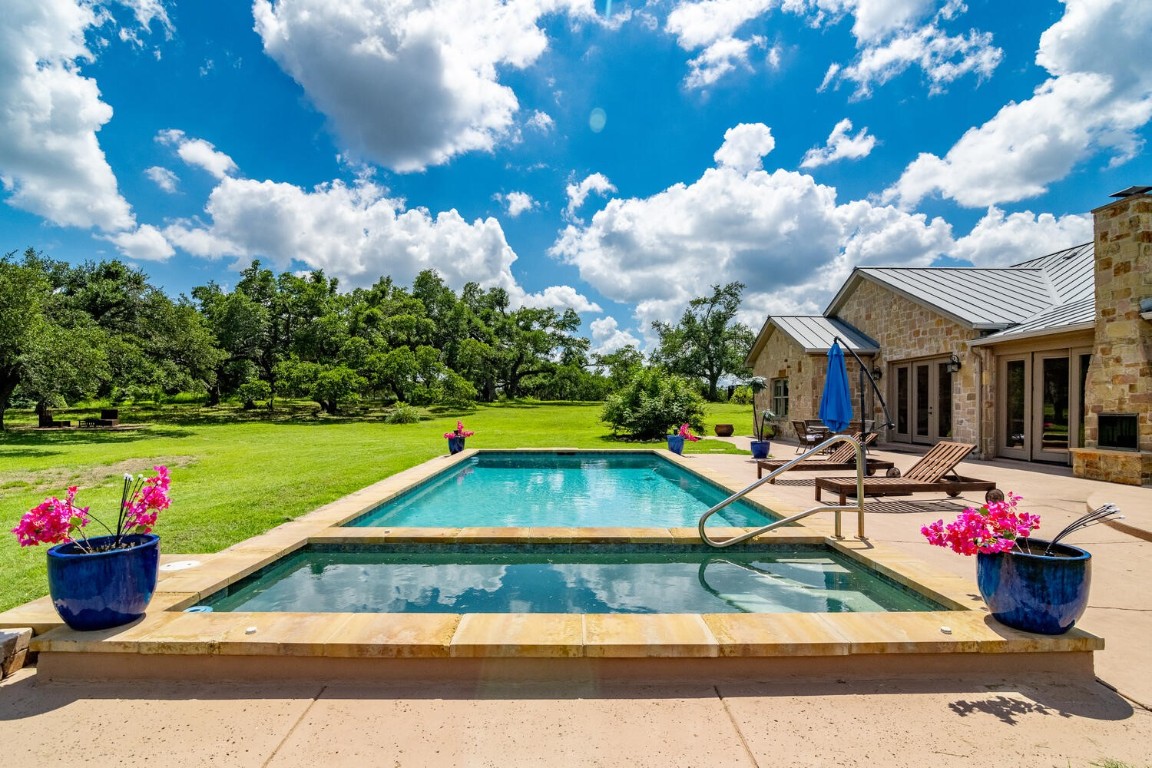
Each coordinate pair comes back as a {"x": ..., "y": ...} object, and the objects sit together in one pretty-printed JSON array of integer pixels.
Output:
[
  {"x": 455, "y": 444},
  {"x": 676, "y": 444},
  {"x": 1034, "y": 592},
  {"x": 103, "y": 589},
  {"x": 760, "y": 448}
]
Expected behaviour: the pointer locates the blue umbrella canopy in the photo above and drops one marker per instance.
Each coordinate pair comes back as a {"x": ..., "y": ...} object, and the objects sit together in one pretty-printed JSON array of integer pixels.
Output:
[{"x": 836, "y": 402}]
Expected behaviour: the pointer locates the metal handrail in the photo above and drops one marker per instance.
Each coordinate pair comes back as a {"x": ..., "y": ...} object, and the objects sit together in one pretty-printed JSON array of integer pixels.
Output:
[{"x": 861, "y": 467}]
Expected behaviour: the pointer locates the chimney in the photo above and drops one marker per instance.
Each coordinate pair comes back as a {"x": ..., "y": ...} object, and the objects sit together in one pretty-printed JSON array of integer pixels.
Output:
[{"x": 1118, "y": 390}]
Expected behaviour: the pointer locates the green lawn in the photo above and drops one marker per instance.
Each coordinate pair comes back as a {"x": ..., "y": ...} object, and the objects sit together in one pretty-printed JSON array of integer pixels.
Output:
[{"x": 238, "y": 474}]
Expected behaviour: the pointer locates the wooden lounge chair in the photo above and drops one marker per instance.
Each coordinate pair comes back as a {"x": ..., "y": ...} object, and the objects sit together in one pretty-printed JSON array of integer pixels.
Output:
[
  {"x": 935, "y": 471},
  {"x": 842, "y": 459}
]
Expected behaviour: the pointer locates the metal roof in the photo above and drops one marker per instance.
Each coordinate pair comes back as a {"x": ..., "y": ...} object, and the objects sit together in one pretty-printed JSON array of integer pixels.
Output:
[
  {"x": 988, "y": 299},
  {"x": 815, "y": 333},
  {"x": 1073, "y": 316}
]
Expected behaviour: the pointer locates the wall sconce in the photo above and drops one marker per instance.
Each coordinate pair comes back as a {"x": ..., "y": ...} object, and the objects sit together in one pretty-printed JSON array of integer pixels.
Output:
[
  {"x": 953, "y": 363},
  {"x": 877, "y": 373}
]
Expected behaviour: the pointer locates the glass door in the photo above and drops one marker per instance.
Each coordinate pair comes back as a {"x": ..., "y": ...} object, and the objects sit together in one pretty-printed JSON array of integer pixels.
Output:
[
  {"x": 1051, "y": 415},
  {"x": 1014, "y": 429},
  {"x": 922, "y": 400}
]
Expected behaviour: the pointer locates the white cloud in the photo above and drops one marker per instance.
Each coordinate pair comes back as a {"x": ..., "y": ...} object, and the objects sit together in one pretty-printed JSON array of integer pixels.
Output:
[
  {"x": 517, "y": 202},
  {"x": 163, "y": 178},
  {"x": 144, "y": 244},
  {"x": 745, "y": 147},
  {"x": 780, "y": 233},
  {"x": 51, "y": 163},
  {"x": 712, "y": 25},
  {"x": 840, "y": 146},
  {"x": 720, "y": 58},
  {"x": 410, "y": 84},
  {"x": 559, "y": 296},
  {"x": 944, "y": 58},
  {"x": 1096, "y": 100},
  {"x": 875, "y": 19},
  {"x": 608, "y": 337},
  {"x": 541, "y": 121},
  {"x": 1000, "y": 240},
  {"x": 198, "y": 153},
  {"x": 577, "y": 193},
  {"x": 356, "y": 233}
]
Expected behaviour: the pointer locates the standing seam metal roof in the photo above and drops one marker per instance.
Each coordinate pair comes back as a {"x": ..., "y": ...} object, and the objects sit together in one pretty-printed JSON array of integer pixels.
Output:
[{"x": 815, "y": 333}]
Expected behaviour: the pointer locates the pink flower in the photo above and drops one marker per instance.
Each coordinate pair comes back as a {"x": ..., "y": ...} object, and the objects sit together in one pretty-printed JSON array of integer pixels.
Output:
[
  {"x": 991, "y": 528},
  {"x": 459, "y": 431},
  {"x": 54, "y": 521},
  {"x": 686, "y": 433}
]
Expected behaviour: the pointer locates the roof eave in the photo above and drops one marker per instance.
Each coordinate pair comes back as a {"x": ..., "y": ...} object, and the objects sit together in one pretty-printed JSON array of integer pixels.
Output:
[{"x": 989, "y": 341}]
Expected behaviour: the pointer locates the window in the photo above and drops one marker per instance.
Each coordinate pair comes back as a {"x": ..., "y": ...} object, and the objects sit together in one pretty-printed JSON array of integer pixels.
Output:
[{"x": 780, "y": 397}]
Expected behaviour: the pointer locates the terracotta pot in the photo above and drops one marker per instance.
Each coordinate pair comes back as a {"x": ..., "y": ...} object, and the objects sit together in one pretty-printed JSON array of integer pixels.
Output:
[{"x": 723, "y": 430}]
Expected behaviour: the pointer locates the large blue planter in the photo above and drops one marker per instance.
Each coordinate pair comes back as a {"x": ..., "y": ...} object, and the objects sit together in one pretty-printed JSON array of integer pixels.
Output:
[
  {"x": 103, "y": 589},
  {"x": 760, "y": 448},
  {"x": 676, "y": 444},
  {"x": 455, "y": 444},
  {"x": 1034, "y": 592}
]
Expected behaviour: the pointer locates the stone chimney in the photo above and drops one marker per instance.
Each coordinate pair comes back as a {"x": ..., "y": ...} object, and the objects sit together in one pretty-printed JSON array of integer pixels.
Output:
[{"x": 1118, "y": 391}]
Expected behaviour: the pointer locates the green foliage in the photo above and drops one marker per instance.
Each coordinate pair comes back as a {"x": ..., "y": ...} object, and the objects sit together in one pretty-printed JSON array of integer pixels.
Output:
[
  {"x": 706, "y": 343},
  {"x": 653, "y": 402},
  {"x": 402, "y": 413},
  {"x": 742, "y": 395}
]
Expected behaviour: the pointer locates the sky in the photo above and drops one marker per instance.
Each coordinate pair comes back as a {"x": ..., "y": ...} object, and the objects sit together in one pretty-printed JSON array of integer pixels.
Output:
[{"x": 617, "y": 158}]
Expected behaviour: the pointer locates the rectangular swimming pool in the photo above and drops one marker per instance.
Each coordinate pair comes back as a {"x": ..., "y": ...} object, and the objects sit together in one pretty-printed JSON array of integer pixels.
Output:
[
  {"x": 587, "y": 489},
  {"x": 547, "y": 578}
]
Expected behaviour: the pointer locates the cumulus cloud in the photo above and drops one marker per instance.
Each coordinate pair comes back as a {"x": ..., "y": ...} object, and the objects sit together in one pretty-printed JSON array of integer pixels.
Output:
[
  {"x": 198, "y": 153},
  {"x": 1098, "y": 97},
  {"x": 607, "y": 336},
  {"x": 145, "y": 244},
  {"x": 51, "y": 163},
  {"x": 578, "y": 193},
  {"x": 163, "y": 178},
  {"x": 745, "y": 147},
  {"x": 840, "y": 146},
  {"x": 541, "y": 121},
  {"x": 410, "y": 85},
  {"x": 712, "y": 25},
  {"x": 1000, "y": 240},
  {"x": 516, "y": 202},
  {"x": 356, "y": 233},
  {"x": 780, "y": 233}
]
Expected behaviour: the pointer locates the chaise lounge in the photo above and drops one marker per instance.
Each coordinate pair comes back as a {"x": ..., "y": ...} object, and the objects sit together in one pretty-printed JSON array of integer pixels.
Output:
[
  {"x": 935, "y": 471},
  {"x": 842, "y": 459}
]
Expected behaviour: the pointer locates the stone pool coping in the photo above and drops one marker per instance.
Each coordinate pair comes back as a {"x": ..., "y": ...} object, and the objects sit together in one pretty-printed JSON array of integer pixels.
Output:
[{"x": 168, "y": 643}]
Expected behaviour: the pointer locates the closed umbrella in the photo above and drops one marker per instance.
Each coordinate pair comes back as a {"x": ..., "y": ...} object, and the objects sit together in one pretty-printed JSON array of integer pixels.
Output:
[{"x": 836, "y": 402}]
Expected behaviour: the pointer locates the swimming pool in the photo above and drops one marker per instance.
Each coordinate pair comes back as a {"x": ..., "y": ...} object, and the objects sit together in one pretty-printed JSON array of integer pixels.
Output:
[
  {"x": 546, "y": 578},
  {"x": 562, "y": 489}
]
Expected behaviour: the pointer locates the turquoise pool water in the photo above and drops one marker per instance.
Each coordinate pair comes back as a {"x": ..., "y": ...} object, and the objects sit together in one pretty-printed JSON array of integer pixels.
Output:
[
  {"x": 583, "y": 489},
  {"x": 565, "y": 579}
]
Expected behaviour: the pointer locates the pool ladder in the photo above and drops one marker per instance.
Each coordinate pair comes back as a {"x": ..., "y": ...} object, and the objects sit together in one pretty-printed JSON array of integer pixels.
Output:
[{"x": 858, "y": 507}]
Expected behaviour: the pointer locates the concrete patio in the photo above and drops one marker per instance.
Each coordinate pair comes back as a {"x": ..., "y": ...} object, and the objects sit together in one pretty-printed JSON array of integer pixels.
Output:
[{"x": 957, "y": 719}]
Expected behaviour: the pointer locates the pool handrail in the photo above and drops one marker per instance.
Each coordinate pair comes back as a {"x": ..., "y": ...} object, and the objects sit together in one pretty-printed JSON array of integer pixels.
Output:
[{"x": 858, "y": 507}]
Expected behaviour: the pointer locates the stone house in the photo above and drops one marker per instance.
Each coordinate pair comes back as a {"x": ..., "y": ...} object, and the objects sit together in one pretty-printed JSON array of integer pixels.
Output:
[{"x": 1049, "y": 360}]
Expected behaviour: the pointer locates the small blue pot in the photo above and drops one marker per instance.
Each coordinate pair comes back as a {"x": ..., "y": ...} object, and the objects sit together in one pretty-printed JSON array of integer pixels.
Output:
[
  {"x": 760, "y": 448},
  {"x": 676, "y": 444},
  {"x": 455, "y": 444},
  {"x": 1035, "y": 592},
  {"x": 103, "y": 589}
]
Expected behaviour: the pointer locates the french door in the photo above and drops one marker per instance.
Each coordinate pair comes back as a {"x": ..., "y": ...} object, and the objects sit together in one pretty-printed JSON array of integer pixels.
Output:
[
  {"x": 1041, "y": 411},
  {"x": 922, "y": 401}
]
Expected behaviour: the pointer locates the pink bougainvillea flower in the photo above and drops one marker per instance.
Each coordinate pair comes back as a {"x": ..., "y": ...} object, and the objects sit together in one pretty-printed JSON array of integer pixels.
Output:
[{"x": 993, "y": 527}]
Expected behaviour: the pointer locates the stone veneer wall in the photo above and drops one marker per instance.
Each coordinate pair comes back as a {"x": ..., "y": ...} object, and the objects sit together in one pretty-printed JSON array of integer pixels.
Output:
[
  {"x": 1120, "y": 374},
  {"x": 783, "y": 358},
  {"x": 907, "y": 331}
]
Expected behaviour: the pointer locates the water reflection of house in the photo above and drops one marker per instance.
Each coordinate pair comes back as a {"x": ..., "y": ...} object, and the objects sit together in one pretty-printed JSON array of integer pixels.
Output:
[{"x": 1047, "y": 360}]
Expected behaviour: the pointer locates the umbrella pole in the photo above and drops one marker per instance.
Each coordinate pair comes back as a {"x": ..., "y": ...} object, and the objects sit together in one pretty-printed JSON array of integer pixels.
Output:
[{"x": 864, "y": 372}]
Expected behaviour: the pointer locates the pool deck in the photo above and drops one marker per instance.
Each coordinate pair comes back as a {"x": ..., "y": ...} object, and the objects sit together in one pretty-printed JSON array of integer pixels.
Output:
[{"x": 810, "y": 712}]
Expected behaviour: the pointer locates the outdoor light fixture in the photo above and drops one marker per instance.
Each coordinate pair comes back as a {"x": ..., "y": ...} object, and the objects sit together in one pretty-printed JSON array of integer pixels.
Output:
[
  {"x": 953, "y": 363},
  {"x": 877, "y": 373}
]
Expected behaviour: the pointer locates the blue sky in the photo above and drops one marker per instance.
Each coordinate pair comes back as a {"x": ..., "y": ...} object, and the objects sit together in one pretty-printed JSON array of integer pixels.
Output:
[{"x": 617, "y": 157}]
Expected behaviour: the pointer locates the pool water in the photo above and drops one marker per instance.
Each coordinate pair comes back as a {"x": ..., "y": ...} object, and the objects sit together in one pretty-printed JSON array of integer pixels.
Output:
[
  {"x": 581, "y": 489},
  {"x": 562, "y": 579}
]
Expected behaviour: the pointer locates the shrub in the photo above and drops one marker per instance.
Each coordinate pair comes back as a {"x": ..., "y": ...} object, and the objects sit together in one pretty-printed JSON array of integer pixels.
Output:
[
  {"x": 652, "y": 402},
  {"x": 742, "y": 395},
  {"x": 402, "y": 413}
]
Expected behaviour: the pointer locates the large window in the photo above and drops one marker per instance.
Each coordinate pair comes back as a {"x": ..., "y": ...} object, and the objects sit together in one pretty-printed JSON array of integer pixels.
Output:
[{"x": 780, "y": 397}]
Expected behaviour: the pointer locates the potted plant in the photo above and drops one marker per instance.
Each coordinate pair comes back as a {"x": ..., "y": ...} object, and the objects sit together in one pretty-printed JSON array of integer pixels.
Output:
[
  {"x": 102, "y": 581},
  {"x": 456, "y": 437},
  {"x": 676, "y": 440},
  {"x": 1030, "y": 584}
]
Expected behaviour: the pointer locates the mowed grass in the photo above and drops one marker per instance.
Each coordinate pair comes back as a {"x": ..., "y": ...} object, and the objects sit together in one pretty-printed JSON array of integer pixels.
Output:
[{"x": 235, "y": 474}]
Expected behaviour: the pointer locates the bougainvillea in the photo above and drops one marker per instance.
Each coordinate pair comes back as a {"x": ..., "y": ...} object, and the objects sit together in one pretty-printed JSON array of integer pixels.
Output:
[{"x": 993, "y": 527}]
